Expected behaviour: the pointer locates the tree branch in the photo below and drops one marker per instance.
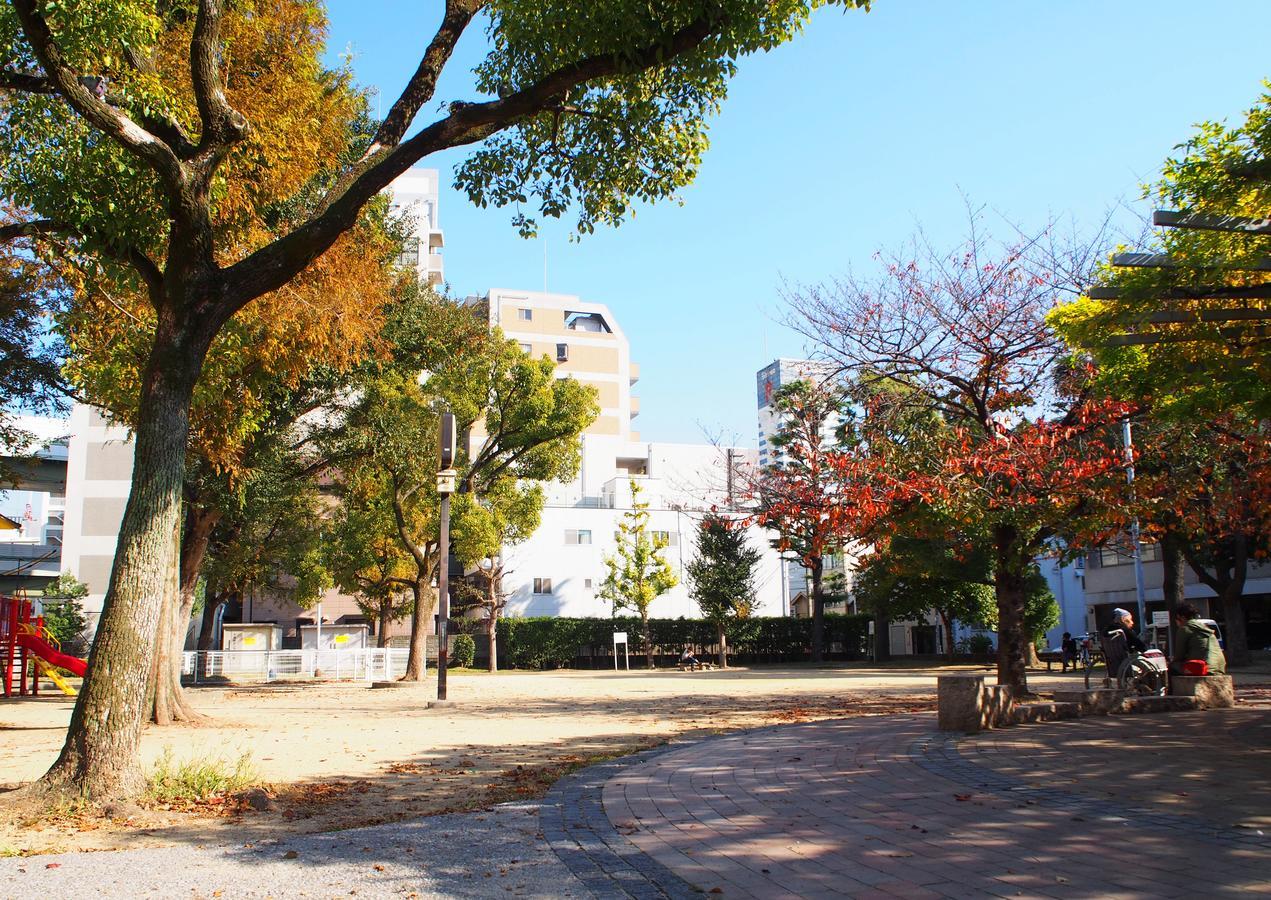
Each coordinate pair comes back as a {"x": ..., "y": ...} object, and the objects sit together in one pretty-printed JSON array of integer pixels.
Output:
[
  {"x": 276, "y": 264},
  {"x": 101, "y": 115},
  {"x": 223, "y": 126},
  {"x": 19, "y": 82},
  {"x": 47, "y": 228}
]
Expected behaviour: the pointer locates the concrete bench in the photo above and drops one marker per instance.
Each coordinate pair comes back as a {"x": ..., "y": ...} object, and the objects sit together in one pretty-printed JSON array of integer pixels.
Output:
[
  {"x": 1210, "y": 691},
  {"x": 965, "y": 703}
]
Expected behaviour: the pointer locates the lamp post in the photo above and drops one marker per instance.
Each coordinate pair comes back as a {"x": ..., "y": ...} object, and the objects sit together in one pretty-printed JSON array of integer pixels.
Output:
[{"x": 446, "y": 475}]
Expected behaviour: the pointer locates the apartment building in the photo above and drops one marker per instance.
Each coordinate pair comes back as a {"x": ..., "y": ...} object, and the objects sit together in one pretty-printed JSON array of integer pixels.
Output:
[
  {"x": 584, "y": 340},
  {"x": 778, "y": 374}
]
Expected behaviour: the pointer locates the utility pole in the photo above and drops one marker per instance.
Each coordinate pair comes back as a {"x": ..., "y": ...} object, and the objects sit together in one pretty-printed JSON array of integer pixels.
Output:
[{"x": 445, "y": 487}]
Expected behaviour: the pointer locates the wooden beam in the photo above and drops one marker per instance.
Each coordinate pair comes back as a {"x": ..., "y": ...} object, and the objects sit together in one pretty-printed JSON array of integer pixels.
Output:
[
  {"x": 1168, "y": 218},
  {"x": 1165, "y": 261},
  {"x": 1233, "y": 292},
  {"x": 1183, "y": 337},
  {"x": 1185, "y": 316}
]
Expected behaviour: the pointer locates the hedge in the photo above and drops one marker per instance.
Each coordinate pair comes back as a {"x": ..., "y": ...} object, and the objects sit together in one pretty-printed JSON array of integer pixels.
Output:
[{"x": 551, "y": 642}]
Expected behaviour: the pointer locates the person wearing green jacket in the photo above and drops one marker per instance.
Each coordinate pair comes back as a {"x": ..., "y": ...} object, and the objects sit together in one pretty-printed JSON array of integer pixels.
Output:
[{"x": 1196, "y": 640}]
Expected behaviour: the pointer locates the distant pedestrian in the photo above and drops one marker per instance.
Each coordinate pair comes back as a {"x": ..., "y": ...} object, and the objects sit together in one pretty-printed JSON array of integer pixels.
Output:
[{"x": 1068, "y": 650}]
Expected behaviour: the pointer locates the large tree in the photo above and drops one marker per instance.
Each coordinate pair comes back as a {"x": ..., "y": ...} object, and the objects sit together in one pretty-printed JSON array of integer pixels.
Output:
[
  {"x": 125, "y": 131},
  {"x": 722, "y": 575},
  {"x": 1026, "y": 453},
  {"x": 522, "y": 421}
]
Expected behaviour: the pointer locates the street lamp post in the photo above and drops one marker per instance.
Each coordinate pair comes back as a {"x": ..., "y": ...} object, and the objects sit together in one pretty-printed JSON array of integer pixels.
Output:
[{"x": 446, "y": 475}]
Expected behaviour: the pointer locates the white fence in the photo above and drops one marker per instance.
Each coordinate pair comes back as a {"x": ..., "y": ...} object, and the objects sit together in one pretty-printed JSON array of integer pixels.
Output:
[{"x": 370, "y": 664}]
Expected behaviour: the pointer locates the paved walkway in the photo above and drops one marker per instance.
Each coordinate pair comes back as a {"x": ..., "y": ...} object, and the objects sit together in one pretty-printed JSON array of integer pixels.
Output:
[
  {"x": 1129, "y": 806},
  {"x": 885, "y": 808}
]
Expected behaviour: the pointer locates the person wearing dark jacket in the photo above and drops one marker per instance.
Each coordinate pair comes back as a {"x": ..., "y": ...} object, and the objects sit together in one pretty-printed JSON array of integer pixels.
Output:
[
  {"x": 1123, "y": 621},
  {"x": 1196, "y": 640}
]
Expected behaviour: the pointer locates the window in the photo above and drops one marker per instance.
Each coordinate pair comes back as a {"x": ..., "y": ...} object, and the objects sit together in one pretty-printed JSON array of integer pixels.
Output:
[
  {"x": 667, "y": 538},
  {"x": 526, "y": 348},
  {"x": 577, "y": 536},
  {"x": 542, "y": 585},
  {"x": 562, "y": 352},
  {"x": 1122, "y": 555},
  {"x": 525, "y": 315},
  {"x": 587, "y": 583}
]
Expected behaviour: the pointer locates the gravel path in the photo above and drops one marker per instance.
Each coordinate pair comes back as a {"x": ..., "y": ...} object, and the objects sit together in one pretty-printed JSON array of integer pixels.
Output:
[{"x": 494, "y": 853}]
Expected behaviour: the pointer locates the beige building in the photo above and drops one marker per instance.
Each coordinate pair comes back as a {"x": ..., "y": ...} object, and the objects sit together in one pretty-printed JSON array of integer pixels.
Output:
[{"x": 585, "y": 342}]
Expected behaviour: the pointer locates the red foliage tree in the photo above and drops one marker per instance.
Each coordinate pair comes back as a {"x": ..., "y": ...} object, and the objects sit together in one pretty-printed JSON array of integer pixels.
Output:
[{"x": 1026, "y": 454}]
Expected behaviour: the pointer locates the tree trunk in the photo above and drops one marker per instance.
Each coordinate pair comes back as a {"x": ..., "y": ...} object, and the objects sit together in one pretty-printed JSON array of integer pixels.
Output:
[
  {"x": 381, "y": 637},
  {"x": 882, "y": 636},
  {"x": 1172, "y": 584},
  {"x": 492, "y": 632},
  {"x": 1235, "y": 635},
  {"x": 818, "y": 611},
  {"x": 1009, "y": 586},
  {"x": 100, "y": 759},
  {"x": 420, "y": 622},
  {"x": 723, "y": 645},
  {"x": 648, "y": 640},
  {"x": 170, "y": 701},
  {"x": 947, "y": 621},
  {"x": 1231, "y": 569}
]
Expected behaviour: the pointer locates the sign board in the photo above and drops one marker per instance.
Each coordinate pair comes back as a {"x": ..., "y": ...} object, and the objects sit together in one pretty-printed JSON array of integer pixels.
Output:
[
  {"x": 446, "y": 481},
  {"x": 447, "y": 440},
  {"x": 1160, "y": 617},
  {"x": 619, "y": 637}
]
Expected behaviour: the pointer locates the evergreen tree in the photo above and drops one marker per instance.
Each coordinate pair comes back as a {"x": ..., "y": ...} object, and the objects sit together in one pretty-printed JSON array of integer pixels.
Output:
[
  {"x": 722, "y": 577},
  {"x": 638, "y": 572}
]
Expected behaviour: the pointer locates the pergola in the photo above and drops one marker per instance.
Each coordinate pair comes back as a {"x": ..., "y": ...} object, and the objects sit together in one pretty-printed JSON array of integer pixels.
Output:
[{"x": 1236, "y": 312}]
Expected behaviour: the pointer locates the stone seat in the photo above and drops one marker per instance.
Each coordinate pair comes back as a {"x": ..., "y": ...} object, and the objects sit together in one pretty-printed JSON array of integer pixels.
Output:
[{"x": 1210, "y": 691}]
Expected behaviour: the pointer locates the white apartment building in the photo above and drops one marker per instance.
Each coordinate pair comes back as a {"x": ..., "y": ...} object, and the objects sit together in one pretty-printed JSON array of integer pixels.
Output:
[
  {"x": 559, "y": 570},
  {"x": 416, "y": 192}
]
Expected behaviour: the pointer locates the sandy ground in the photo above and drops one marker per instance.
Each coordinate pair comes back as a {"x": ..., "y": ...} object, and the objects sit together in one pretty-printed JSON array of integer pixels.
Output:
[{"x": 339, "y": 755}]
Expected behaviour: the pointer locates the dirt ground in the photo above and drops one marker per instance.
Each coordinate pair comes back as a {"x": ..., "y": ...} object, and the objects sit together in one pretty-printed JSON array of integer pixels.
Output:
[{"x": 339, "y": 755}]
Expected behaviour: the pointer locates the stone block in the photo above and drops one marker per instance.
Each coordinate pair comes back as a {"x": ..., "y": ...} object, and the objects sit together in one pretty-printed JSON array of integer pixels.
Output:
[
  {"x": 965, "y": 703},
  {"x": 1098, "y": 702},
  {"x": 1210, "y": 691},
  {"x": 1044, "y": 712}
]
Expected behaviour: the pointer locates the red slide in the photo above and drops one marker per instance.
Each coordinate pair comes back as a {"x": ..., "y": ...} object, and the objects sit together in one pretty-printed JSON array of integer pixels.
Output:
[{"x": 44, "y": 649}]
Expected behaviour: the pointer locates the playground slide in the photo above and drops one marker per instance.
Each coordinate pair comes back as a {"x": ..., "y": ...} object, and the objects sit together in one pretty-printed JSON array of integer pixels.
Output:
[{"x": 44, "y": 649}]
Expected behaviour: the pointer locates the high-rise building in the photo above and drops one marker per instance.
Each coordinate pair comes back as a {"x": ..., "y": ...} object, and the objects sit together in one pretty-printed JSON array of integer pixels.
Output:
[{"x": 771, "y": 378}]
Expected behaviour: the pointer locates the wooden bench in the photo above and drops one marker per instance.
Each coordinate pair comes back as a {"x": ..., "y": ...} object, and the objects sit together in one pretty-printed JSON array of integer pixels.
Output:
[{"x": 689, "y": 667}]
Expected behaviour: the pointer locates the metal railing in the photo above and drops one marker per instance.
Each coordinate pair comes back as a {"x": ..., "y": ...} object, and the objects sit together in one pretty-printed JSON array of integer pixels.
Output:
[{"x": 369, "y": 664}]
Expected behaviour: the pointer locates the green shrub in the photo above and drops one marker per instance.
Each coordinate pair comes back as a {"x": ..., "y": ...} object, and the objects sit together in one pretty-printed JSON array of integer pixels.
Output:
[
  {"x": 550, "y": 642},
  {"x": 976, "y": 644},
  {"x": 199, "y": 778},
  {"x": 463, "y": 651}
]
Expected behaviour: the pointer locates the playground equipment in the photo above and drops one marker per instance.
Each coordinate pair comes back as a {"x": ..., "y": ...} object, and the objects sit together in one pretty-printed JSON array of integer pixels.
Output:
[{"x": 28, "y": 648}]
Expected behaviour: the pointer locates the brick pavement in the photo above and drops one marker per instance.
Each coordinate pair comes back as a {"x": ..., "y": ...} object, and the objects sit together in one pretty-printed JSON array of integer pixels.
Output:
[{"x": 886, "y": 808}]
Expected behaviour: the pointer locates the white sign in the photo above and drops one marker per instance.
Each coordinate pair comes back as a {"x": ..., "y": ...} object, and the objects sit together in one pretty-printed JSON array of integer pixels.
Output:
[
  {"x": 1160, "y": 617},
  {"x": 619, "y": 637}
]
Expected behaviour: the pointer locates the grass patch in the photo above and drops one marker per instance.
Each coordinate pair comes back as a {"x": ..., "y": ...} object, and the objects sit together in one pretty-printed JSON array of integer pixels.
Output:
[{"x": 199, "y": 779}]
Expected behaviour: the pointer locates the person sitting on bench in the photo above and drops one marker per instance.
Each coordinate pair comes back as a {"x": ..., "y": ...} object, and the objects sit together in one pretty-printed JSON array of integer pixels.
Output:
[
  {"x": 688, "y": 659},
  {"x": 1196, "y": 642}
]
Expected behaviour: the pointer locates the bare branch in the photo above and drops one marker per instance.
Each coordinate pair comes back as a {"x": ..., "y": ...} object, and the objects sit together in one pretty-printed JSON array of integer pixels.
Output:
[{"x": 19, "y": 82}]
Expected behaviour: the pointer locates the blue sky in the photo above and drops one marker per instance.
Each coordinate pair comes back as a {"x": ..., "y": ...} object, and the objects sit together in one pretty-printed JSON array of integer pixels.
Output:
[{"x": 843, "y": 142}]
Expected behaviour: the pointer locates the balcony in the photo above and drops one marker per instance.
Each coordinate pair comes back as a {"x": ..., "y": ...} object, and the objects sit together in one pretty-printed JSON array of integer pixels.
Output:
[
  {"x": 436, "y": 240},
  {"x": 634, "y": 373},
  {"x": 436, "y": 268},
  {"x": 635, "y": 407}
]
